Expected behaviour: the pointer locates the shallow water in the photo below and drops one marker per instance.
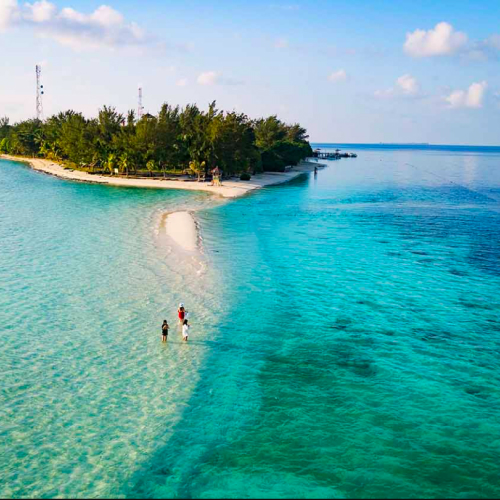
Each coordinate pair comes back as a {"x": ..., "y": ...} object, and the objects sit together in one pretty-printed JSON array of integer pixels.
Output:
[
  {"x": 87, "y": 391},
  {"x": 345, "y": 343}
]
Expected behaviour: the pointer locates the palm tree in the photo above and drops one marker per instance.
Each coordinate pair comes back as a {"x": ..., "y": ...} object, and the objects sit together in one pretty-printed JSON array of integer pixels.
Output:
[
  {"x": 150, "y": 165},
  {"x": 123, "y": 166},
  {"x": 197, "y": 167},
  {"x": 95, "y": 161},
  {"x": 50, "y": 151},
  {"x": 39, "y": 139},
  {"x": 110, "y": 163},
  {"x": 44, "y": 149},
  {"x": 163, "y": 167}
]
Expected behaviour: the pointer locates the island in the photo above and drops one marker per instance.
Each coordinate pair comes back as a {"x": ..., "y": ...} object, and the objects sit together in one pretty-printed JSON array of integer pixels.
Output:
[{"x": 177, "y": 143}]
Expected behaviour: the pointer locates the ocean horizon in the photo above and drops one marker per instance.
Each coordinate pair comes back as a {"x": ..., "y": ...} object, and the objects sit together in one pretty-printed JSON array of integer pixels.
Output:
[
  {"x": 410, "y": 145},
  {"x": 344, "y": 344}
]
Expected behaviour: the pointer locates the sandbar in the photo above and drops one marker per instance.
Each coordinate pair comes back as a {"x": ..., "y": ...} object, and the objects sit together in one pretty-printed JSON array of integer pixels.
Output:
[{"x": 181, "y": 227}]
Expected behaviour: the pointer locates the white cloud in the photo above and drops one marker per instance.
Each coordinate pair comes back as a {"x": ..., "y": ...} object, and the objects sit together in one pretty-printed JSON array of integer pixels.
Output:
[
  {"x": 457, "y": 99},
  {"x": 475, "y": 94},
  {"x": 443, "y": 40},
  {"x": 72, "y": 15},
  {"x": 105, "y": 27},
  {"x": 208, "y": 78},
  {"x": 281, "y": 43},
  {"x": 40, "y": 12},
  {"x": 182, "y": 82},
  {"x": 215, "y": 78},
  {"x": 106, "y": 16},
  {"x": 471, "y": 98},
  {"x": 9, "y": 12},
  {"x": 408, "y": 85},
  {"x": 338, "y": 76}
]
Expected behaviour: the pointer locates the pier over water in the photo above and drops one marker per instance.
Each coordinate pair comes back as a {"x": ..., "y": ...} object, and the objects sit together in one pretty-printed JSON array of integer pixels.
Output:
[{"x": 332, "y": 155}]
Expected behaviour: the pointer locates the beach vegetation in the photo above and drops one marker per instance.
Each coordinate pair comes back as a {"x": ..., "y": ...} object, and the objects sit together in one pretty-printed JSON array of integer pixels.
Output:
[
  {"x": 280, "y": 144},
  {"x": 4, "y": 145},
  {"x": 110, "y": 164},
  {"x": 174, "y": 141},
  {"x": 4, "y": 126},
  {"x": 150, "y": 165},
  {"x": 197, "y": 167}
]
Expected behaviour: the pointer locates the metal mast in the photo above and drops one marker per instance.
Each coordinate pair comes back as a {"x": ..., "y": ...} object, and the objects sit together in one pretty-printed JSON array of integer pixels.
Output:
[
  {"x": 39, "y": 93},
  {"x": 140, "y": 107}
]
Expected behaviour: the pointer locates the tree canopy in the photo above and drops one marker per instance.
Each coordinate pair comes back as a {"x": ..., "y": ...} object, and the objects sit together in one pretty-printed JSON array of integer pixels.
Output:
[{"x": 175, "y": 138}]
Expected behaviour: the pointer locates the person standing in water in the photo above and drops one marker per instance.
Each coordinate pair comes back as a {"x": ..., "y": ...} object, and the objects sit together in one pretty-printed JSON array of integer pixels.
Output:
[
  {"x": 185, "y": 330},
  {"x": 164, "y": 331},
  {"x": 181, "y": 312}
]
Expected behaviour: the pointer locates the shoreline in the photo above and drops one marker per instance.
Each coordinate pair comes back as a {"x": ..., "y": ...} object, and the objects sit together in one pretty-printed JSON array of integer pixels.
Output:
[{"x": 230, "y": 188}]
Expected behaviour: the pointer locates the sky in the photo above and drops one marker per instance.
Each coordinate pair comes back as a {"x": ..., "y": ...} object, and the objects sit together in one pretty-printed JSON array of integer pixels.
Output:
[{"x": 348, "y": 71}]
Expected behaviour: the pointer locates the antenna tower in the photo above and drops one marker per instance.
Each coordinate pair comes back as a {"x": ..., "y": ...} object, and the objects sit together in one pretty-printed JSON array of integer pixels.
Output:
[
  {"x": 140, "y": 107},
  {"x": 39, "y": 93}
]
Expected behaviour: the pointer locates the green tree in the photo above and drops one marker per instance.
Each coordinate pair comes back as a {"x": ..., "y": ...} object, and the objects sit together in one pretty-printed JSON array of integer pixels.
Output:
[
  {"x": 145, "y": 143},
  {"x": 110, "y": 164},
  {"x": 194, "y": 141},
  {"x": 198, "y": 167},
  {"x": 175, "y": 138},
  {"x": 124, "y": 164},
  {"x": 150, "y": 165},
  {"x": 5, "y": 145},
  {"x": 25, "y": 138},
  {"x": 296, "y": 133},
  {"x": 169, "y": 151},
  {"x": 75, "y": 139},
  {"x": 4, "y": 127},
  {"x": 268, "y": 132}
]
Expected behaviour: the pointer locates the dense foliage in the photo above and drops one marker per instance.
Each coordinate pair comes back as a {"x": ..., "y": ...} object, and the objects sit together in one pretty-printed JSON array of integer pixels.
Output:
[{"x": 175, "y": 139}]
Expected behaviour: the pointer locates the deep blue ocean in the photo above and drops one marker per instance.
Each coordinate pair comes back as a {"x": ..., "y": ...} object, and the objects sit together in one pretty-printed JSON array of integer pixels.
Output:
[{"x": 345, "y": 339}]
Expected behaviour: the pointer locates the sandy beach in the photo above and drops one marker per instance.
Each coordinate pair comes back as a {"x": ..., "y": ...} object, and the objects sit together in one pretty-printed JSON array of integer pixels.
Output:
[{"x": 230, "y": 188}]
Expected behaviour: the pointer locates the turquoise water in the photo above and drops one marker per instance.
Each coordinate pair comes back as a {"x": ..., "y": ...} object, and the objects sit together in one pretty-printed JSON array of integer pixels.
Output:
[{"x": 345, "y": 336}]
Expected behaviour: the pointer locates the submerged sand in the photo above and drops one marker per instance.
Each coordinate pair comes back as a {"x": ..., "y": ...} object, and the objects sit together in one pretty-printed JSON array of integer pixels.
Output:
[{"x": 229, "y": 189}]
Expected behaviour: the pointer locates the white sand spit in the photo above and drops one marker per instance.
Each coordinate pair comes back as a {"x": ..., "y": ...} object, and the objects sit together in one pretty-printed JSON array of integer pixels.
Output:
[{"x": 180, "y": 226}]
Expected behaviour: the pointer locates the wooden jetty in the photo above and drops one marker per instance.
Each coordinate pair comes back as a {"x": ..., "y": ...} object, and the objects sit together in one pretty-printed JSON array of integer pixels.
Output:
[{"x": 332, "y": 155}]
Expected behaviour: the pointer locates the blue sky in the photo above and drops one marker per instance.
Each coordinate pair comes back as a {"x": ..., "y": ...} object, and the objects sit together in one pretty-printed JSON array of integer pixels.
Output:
[{"x": 350, "y": 71}]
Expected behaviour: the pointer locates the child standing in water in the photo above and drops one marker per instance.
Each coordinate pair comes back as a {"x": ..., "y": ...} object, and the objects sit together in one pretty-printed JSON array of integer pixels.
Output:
[
  {"x": 185, "y": 330},
  {"x": 164, "y": 331}
]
